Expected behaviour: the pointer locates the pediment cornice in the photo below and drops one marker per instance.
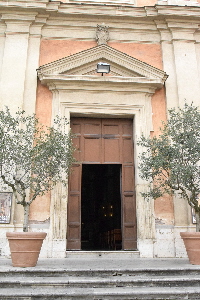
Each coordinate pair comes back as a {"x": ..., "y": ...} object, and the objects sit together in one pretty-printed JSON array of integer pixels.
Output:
[{"x": 80, "y": 67}]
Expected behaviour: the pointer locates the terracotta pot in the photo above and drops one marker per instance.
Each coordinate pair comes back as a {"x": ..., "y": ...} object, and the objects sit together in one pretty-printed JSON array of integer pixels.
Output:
[
  {"x": 192, "y": 245},
  {"x": 25, "y": 247}
]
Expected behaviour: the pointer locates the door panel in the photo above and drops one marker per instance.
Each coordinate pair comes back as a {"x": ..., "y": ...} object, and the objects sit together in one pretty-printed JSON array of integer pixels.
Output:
[
  {"x": 111, "y": 150},
  {"x": 75, "y": 182},
  {"x": 129, "y": 238},
  {"x": 76, "y": 129},
  {"x": 104, "y": 141},
  {"x": 90, "y": 129},
  {"x": 128, "y": 179},
  {"x": 110, "y": 129},
  {"x": 91, "y": 138},
  {"x": 127, "y": 153},
  {"x": 129, "y": 241},
  {"x": 92, "y": 150},
  {"x": 74, "y": 209}
]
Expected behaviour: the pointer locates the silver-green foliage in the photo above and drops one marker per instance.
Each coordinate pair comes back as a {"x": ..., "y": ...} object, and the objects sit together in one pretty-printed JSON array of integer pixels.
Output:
[
  {"x": 33, "y": 158},
  {"x": 171, "y": 161}
]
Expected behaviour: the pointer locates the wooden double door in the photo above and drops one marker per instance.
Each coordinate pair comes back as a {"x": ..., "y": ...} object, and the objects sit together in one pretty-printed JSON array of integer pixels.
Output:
[{"x": 104, "y": 145}]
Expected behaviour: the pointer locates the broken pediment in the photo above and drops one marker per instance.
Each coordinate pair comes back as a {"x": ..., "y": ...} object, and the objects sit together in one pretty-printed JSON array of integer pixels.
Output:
[{"x": 85, "y": 63}]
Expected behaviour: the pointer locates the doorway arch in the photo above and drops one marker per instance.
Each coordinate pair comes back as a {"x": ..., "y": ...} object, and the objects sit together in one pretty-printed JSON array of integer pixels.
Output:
[
  {"x": 101, "y": 207},
  {"x": 103, "y": 142}
]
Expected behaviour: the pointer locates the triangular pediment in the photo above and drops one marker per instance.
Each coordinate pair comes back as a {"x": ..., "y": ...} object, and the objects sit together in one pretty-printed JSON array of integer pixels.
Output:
[{"x": 85, "y": 63}]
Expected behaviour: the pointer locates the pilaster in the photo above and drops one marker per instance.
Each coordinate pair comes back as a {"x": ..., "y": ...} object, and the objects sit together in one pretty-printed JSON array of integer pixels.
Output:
[
  {"x": 15, "y": 58},
  {"x": 168, "y": 64},
  {"x": 33, "y": 52},
  {"x": 185, "y": 61},
  {"x": 2, "y": 44},
  {"x": 197, "y": 45},
  {"x": 58, "y": 222}
]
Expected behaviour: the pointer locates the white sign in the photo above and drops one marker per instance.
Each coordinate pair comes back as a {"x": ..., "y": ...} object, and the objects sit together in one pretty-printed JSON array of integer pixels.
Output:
[{"x": 5, "y": 207}]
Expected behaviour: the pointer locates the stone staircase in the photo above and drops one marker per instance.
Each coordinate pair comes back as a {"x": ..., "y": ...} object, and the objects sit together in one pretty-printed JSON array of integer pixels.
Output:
[{"x": 100, "y": 283}]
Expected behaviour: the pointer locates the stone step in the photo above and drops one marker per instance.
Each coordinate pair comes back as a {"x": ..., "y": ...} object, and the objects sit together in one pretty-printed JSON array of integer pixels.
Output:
[
  {"x": 99, "y": 282},
  {"x": 115, "y": 293},
  {"x": 98, "y": 272},
  {"x": 101, "y": 279},
  {"x": 88, "y": 255}
]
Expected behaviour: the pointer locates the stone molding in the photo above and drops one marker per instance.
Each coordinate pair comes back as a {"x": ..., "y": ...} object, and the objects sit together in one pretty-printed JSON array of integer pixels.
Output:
[
  {"x": 172, "y": 30},
  {"x": 179, "y": 2},
  {"x": 73, "y": 9},
  {"x": 93, "y": 95},
  {"x": 24, "y": 3},
  {"x": 57, "y": 18},
  {"x": 132, "y": 67},
  {"x": 18, "y": 23},
  {"x": 89, "y": 83}
]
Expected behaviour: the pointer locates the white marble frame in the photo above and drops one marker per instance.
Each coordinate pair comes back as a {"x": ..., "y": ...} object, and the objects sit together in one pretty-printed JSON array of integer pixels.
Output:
[
  {"x": 131, "y": 100},
  {"x": 127, "y": 95}
]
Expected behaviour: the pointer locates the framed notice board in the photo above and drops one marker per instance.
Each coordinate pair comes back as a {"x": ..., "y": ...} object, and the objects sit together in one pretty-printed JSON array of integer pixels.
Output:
[{"x": 5, "y": 207}]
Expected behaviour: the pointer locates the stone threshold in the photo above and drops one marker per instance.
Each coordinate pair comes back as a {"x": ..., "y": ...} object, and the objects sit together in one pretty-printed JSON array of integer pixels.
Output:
[{"x": 78, "y": 254}]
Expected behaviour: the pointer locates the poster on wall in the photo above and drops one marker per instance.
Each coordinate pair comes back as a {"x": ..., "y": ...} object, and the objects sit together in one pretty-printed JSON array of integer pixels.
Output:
[{"x": 5, "y": 207}]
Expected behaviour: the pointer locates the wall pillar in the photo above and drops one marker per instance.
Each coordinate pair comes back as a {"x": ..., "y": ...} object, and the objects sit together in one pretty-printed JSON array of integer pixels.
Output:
[
  {"x": 180, "y": 62},
  {"x": 2, "y": 44},
  {"x": 185, "y": 61},
  {"x": 197, "y": 44},
  {"x": 15, "y": 59},
  {"x": 33, "y": 53},
  {"x": 188, "y": 87},
  {"x": 144, "y": 207},
  {"x": 168, "y": 64}
]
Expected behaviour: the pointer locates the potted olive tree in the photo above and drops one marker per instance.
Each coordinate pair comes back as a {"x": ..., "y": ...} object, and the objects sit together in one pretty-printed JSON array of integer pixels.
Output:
[
  {"x": 171, "y": 162},
  {"x": 33, "y": 159}
]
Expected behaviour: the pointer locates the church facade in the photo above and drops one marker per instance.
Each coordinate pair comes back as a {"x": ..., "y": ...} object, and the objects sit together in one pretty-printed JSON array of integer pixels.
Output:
[{"x": 49, "y": 52}]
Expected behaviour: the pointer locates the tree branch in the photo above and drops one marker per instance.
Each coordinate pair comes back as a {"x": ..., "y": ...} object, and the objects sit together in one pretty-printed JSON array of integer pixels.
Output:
[{"x": 12, "y": 186}]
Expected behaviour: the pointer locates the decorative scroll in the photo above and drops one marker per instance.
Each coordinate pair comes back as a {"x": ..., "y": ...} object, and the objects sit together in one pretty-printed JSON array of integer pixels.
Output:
[{"x": 5, "y": 207}]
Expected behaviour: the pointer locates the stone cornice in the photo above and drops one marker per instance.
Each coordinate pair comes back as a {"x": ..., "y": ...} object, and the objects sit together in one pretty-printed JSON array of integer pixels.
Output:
[
  {"x": 56, "y": 18},
  {"x": 18, "y": 23},
  {"x": 104, "y": 10},
  {"x": 134, "y": 75},
  {"x": 72, "y": 82},
  {"x": 21, "y": 22},
  {"x": 24, "y": 4},
  {"x": 180, "y": 30},
  {"x": 174, "y": 11},
  {"x": 21, "y": 16},
  {"x": 102, "y": 53}
]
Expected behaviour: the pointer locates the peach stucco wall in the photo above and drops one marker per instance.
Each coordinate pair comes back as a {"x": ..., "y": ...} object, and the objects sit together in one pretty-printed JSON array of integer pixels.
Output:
[
  {"x": 159, "y": 110},
  {"x": 148, "y": 53},
  {"x": 40, "y": 208},
  {"x": 44, "y": 104},
  {"x": 164, "y": 210},
  {"x": 52, "y": 50},
  {"x": 163, "y": 206},
  {"x": 146, "y": 2}
]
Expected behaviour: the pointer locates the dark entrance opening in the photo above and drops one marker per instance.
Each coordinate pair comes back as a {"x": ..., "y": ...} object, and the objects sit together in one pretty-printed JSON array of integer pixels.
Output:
[{"x": 101, "y": 207}]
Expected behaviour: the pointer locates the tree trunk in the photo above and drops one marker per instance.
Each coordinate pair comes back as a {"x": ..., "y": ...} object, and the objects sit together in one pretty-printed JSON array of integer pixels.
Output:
[
  {"x": 197, "y": 214},
  {"x": 26, "y": 217}
]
